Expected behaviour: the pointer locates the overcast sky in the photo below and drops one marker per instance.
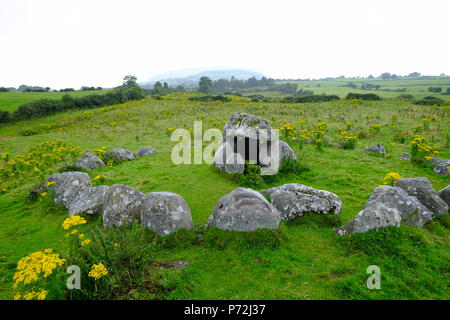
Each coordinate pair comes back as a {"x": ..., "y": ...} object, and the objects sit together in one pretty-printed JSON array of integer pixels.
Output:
[{"x": 70, "y": 43}]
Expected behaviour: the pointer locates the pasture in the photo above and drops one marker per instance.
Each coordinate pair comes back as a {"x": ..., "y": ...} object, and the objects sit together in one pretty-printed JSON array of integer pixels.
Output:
[
  {"x": 417, "y": 87},
  {"x": 10, "y": 101},
  {"x": 302, "y": 260}
]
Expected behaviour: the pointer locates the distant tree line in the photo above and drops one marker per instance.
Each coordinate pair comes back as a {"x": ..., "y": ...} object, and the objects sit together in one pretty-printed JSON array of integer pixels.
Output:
[{"x": 206, "y": 85}]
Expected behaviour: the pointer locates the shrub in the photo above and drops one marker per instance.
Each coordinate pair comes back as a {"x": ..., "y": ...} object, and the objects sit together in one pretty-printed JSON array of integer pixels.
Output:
[
  {"x": 44, "y": 107},
  {"x": 220, "y": 98},
  {"x": 429, "y": 101},
  {"x": 363, "y": 96},
  {"x": 405, "y": 96},
  {"x": 5, "y": 117},
  {"x": 311, "y": 98},
  {"x": 435, "y": 89}
]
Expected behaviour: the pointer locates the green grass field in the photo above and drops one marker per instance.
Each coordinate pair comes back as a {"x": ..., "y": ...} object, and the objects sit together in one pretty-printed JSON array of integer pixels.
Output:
[
  {"x": 10, "y": 101},
  {"x": 310, "y": 262},
  {"x": 414, "y": 86}
]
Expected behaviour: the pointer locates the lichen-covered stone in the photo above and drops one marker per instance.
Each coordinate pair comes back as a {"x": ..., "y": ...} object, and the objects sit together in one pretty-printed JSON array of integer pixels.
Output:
[
  {"x": 422, "y": 189},
  {"x": 89, "y": 201},
  {"x": 372, "y": 217},
  {"x": 286, "y": 152},
  {"x": 444, "y": 194},
  {"x": 165, "y": 212},
  {"x": 405, "y": 156},
  {"x": 244, "y": 210},
  {"x": 122, "y": 204},
  {"x": 247, "y": 126},
  {"x": 378, "y": 148},
  {"x": 146, "y": 151},
  {"x": 295, "y": 200},
  {"x": 411, "y": 210},
  {"x": 442, "y": 168},
  {"x": 88, "y": 162},
  {"x": 120, "y": 154},
  {"x": 68, "y": 185}
]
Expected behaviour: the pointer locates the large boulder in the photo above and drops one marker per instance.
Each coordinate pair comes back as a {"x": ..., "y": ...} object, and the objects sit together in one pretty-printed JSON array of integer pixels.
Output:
[
  {"x": 165, "y": 212},
  {"x": 68, "y": 185},
  {"x": 442, "y": 168},
  {"x": 244, "y": 210},
  {"x": 422, "y": 189},
  {"x": 146, "y": 151},
  {"x": 120, "y": 154},
  {"x": 372, "y": 217},
  {"x": 444, "y": 194},
  {"x": 254, "y": 140},
  {"x": 88, "y": 162},
  {"x": 89, "y": 201},
  {"x": 122, "y": 204},
  {"x": 378, "y": 148},
  {"x": 410, "y": 209},
  {"x": 295, "y": 200},
  {"x": 230, "y": 161},
  {"x": 246, "y": 126}
]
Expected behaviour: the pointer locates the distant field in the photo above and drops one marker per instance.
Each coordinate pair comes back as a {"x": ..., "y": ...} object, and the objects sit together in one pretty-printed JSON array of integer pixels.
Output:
[
  {"x": 10, "y": 101},
  {"x": 414, "y": 86}
]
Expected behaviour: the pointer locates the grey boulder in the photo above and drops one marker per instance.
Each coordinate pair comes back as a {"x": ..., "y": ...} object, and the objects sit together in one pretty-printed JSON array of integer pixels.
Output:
[
  {"x": 165, "y": 212},
  {"x": 247, "y": 126},
  {"x": 122, "y": 204},
  {"x": 378, "y": 148},
  {"x": 120, "y": 154},
  {"x": 295, "y": 200},
  {"x": 406, "y": 156},
  {"x": 231, "y": 163},
  {"x": 444, "y": 194},
  {"x": 410, "y": 209},
  {"x": 146, "y": 151},
  {"x": 442, "y": 168},
  {"x": 68, "y": 185},
  {"x": 435, "y": 161},
  {"x": 89, "y": 201},
  {"x": 88, "y": 162},
  {"x": 422, "y": 189},
  {"x": 372, "y": 217},
  {"x": 286, "y": 152},
  {"x": 244, "y": 210}
]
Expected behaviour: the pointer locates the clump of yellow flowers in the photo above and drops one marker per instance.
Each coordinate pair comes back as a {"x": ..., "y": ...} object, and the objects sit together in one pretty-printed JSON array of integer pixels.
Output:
[
  {"x": 98, "y": 271},
  {"x": 73, "y": 221},
  {"x": 30, "y": 269},
  {"x": 390, "y": 179}
]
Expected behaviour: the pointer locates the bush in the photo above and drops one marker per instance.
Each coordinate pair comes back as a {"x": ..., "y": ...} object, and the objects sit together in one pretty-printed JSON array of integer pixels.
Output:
[
  {"x": 45, "y": 107},
  {"x": 405, "y": 96},
  {"x": 127, "y": 254},
  {"x": 311, "y": 98},
  {"x": 210, "y": 98},
  {"x": 430, "y": 101},
  {"x": 435, "y": 89},
  {"x": 5, "y": 117},
  {"x": 363, "y": 96}
]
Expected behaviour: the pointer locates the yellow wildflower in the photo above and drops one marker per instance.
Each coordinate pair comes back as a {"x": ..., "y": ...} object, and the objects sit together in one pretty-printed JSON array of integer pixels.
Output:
[
  {"x": 98, "y": 271},
  {"x": 86, "y": 242}
]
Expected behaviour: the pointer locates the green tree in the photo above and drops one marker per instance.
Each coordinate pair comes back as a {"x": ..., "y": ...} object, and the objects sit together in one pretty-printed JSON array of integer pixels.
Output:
[
  {"x": 205, "y": 85},
  {"x": 129, "y": 81}
]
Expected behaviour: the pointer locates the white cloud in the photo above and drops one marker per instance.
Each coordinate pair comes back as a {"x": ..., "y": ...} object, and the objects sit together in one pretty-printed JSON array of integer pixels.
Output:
[{"x": 64, "y": 43}]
